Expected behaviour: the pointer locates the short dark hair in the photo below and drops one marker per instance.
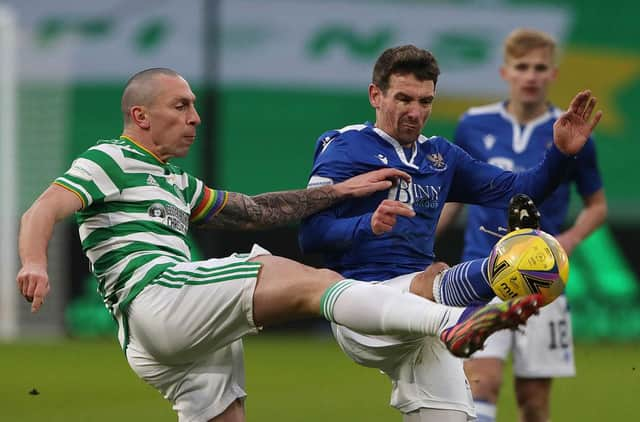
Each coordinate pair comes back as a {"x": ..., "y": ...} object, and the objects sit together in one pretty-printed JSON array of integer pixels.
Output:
[{"x": 405, "y": 59}]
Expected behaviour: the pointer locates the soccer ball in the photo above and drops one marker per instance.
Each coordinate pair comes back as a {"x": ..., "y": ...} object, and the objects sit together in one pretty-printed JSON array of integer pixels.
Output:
[{"x": 528, "y": 261}]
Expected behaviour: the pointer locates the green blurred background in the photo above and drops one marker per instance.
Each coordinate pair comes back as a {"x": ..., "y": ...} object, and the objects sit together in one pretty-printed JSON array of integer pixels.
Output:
[{"x": 262, "y": 129}]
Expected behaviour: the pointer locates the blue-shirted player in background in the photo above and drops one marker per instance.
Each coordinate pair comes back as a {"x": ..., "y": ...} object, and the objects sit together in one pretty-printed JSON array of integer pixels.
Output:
[
  {"x": 380, "y": 238},
  {"x": 515, "y": 135}
]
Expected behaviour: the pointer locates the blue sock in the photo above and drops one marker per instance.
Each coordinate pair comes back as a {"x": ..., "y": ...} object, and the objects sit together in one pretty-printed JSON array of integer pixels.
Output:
[
  {"x": 485, "y": 411},
  {"x": 468, "y": 311},
  {"x": 464, "y": 284}
]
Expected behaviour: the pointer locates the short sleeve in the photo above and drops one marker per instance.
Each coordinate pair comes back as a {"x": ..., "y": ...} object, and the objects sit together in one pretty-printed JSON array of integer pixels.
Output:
[
  {"x": 206, "y": 202},
  {"x": 92, "y": 177}
]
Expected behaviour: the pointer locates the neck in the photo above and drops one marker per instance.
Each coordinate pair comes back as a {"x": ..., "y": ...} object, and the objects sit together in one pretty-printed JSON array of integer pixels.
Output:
[
  {"x": 404, "y": 144},
  {"x": 144, "y": 142},
  {"x": 524, "y": 113}
]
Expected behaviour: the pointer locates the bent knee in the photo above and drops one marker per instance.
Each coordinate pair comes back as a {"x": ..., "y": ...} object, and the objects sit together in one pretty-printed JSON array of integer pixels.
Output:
[{"x": 422, "y": 283}]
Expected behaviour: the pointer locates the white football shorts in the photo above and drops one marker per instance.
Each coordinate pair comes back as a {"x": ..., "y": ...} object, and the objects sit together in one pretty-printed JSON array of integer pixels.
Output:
[
  {"x": 423, "y": 372},
  {"x": 544, "y": 348},
  {"x": 185, "y": 332}
]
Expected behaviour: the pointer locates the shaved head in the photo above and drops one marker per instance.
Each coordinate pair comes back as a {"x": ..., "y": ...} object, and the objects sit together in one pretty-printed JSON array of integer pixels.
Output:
[{"x": 141, "y": 89}]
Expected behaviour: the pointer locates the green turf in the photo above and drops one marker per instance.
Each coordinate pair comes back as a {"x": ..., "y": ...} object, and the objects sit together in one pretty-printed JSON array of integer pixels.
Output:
[
  {"x": 606, "y": 388},
  {"x": 288, "y": 379}
]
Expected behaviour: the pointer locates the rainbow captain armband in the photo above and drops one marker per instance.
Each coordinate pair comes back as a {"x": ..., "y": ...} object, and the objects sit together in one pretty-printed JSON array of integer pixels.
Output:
[{"x": 211, "y": 203}]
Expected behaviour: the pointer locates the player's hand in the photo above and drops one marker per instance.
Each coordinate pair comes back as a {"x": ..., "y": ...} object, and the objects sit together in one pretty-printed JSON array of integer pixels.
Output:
[
  {"x": 368, "y": 183},
  {"x": 33, "y": 283},
  {"x": 385, "y": 216},
  {"x": 573, "y": 127}
]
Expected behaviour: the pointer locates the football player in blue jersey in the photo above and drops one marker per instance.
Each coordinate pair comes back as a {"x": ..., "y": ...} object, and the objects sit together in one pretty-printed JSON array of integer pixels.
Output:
[
  {"x": 390, "y": 235},
  {"x": 181, "y": 321},
  {"x": 515, "y": 135}
]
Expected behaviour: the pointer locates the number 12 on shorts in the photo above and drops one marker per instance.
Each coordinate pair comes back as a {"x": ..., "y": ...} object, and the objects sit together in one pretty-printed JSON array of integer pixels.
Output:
[{"x": 559, "y": 334}]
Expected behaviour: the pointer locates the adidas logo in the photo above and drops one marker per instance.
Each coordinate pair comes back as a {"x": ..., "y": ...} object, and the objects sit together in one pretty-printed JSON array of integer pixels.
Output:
[{"x": 151, "y": 181}]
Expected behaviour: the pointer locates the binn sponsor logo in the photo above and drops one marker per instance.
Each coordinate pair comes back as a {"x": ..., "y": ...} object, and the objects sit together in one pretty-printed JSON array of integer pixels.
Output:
[{"x": 420, "y": 196}]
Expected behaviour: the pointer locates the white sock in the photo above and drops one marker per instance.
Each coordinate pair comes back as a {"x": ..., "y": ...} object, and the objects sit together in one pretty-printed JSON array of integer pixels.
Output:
[
  {"x": 485, "y": 411},
  {"x": 378, "y": 309},
  {"x": 429, "y": 414}
]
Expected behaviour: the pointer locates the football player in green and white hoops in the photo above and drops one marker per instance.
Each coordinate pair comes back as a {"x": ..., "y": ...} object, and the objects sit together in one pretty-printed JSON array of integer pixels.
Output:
[{"x": 180, "y": 322}]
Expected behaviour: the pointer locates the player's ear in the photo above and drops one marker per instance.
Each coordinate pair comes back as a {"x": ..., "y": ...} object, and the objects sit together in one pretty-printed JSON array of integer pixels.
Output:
[
  {"x": 503, "y": 72},
  {"x": 554, "y": 73},
  {"x": 375, "y": 95},
  {"x": 139, "y": 116}
]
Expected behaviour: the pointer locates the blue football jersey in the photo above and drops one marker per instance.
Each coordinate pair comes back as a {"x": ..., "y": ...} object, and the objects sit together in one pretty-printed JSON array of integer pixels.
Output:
[
  {"x": 440, "y": 171},
  {"x": 490, "y": 134}
]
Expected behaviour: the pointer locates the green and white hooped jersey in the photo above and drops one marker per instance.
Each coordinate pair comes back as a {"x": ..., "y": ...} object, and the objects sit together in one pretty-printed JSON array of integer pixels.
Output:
[{"x": 136, "y": 211}]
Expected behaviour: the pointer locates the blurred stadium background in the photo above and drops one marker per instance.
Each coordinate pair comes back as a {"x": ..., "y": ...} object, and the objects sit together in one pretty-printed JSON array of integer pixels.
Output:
[{"x": 270, "y": 77}]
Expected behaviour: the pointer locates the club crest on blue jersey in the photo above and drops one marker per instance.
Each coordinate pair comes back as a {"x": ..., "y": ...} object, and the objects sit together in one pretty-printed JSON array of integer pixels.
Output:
[
  {"x": 437, "y": 161},
  {"x": 489, "y": 141}
]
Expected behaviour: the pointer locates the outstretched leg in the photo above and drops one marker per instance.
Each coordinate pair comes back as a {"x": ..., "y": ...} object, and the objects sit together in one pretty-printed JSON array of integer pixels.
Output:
[{"x": 289, "y": 290}]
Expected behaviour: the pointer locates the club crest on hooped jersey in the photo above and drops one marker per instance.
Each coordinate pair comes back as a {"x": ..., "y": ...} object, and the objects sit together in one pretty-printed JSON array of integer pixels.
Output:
[
  {"x": 437, "y": 161},
  {"x": 170, "y": 215},
  {"x": 157, "y": 210}
]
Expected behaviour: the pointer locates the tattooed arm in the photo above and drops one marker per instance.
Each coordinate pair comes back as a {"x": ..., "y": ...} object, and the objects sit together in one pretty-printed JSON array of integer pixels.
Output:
[{"x": 273, "y": 209}]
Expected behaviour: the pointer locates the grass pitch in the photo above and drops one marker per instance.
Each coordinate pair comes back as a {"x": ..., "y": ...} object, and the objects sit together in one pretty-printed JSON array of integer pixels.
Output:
[{"x": 289, "y": 378}]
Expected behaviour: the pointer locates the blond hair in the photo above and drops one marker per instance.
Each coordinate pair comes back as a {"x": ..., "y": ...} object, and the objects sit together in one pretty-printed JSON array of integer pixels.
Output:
[{"x": 522, "y": 40}]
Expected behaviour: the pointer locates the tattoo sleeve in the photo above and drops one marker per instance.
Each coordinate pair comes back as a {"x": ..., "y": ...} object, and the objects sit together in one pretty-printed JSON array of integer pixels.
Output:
[{"x": 272, "y": 209}]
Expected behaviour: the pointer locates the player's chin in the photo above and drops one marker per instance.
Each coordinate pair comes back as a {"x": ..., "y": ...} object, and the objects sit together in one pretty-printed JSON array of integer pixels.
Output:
[
  {"x": 183, "y": 151},
  {"x": 533, "y": 97},
  {"x": 408, "y": 136}
]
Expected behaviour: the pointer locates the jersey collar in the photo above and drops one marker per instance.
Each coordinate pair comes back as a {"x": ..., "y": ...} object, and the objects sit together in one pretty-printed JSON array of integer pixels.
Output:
[
  {"x": 522, "y": 133},
  {"x": 398, "y": 148},
  {"x": 141, "y": 148}
]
